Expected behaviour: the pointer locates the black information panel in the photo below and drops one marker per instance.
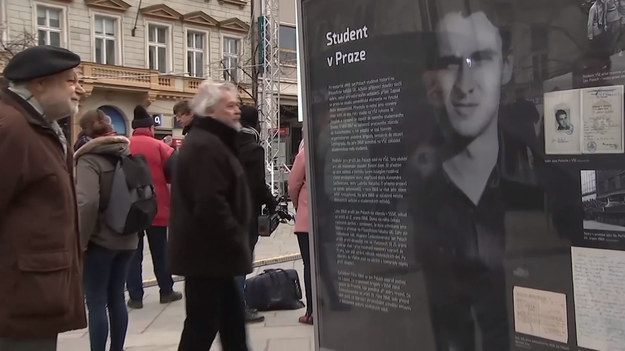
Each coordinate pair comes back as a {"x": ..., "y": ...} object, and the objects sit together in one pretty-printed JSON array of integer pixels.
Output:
[{"x": 467, "y": 173}]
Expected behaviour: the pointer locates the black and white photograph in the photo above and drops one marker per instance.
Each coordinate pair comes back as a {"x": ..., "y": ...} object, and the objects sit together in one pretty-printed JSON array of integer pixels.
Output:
[
  {"x": 605, "y": 24},
  {"x": 603, "y": 200},
  {"x": 562, "y": 120}
]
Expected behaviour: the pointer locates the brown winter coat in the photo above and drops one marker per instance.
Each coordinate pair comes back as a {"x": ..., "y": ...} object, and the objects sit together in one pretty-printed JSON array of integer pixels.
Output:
[{"x": 40, "y": 257}]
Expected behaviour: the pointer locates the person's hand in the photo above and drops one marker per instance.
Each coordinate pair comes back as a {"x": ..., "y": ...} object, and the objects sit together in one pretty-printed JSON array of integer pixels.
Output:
[{"x": 168, "y": 140}]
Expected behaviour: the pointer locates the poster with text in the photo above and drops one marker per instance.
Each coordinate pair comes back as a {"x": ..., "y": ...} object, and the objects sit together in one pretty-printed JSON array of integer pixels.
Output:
[{"x": 440, "y": 218}]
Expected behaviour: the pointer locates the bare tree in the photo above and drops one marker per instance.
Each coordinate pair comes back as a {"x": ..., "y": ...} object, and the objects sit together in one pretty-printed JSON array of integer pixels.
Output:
[{"x": 11, "y": 46}]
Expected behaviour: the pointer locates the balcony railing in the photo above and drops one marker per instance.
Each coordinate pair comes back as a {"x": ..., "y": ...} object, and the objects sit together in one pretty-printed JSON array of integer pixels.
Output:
[{"x": 128, "y": 77}]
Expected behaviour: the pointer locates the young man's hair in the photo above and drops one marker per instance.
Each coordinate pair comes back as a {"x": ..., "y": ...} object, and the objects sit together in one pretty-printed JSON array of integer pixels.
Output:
[
  {"x": 497, "y": 14},
  {"x": 182, "y": 107},
  {"x": 560, "y": 112}
]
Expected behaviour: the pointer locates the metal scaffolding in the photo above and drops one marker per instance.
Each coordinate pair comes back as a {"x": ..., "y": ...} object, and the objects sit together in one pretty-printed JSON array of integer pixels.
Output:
[{"x": 269, "y": 90}]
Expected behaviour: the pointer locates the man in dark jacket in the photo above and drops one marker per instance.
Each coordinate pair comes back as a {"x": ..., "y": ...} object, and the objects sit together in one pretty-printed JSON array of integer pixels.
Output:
[
  {"x": 40, "y": 252},
  {"x": 252, "y": 157},
  {"x": 210, "y": 212}
]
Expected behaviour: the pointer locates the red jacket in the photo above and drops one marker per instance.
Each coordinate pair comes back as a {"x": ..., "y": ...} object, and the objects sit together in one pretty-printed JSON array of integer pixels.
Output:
[{"x": 157, "y": 153}]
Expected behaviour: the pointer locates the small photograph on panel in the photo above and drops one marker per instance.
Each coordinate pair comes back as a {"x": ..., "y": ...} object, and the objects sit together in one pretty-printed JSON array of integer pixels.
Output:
[
  {"x": 562, "y": 120},
  {"x": 603, "y": 200}
]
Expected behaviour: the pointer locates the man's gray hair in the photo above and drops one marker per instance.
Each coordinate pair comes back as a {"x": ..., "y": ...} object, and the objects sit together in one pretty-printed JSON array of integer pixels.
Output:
[{"x": 209, "y": 93}]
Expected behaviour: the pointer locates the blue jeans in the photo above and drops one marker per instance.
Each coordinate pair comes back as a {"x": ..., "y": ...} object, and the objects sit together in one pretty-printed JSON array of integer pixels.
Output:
[
  {"x": 104, "y": 278},
  {"x": 157, "y": 239}
]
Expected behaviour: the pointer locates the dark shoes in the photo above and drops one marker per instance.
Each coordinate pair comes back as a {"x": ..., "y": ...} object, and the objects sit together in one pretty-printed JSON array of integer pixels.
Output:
[
  {"x": 167, "y": 298},
  {"x": 252, "y": 316},
  {"x": 171, "y": 297},
  {"x": 136, "y": 304}
]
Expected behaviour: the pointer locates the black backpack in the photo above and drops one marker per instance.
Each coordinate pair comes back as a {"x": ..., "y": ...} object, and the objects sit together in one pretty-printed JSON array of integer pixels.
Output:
[
  {"x": 274, "y": 289},
  {"x": 130, "y": 205}
]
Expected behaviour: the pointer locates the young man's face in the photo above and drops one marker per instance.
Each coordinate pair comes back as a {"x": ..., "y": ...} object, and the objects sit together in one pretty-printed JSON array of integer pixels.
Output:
[
  {"x": 184, "y": 118},
  {"x": 471, "y": 72},
  {"x": 563, "y": 120}
]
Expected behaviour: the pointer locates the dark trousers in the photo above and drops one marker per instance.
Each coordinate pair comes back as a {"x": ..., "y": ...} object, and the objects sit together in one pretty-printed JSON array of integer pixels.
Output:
[
  {"x": 240, "y": 280},
  {"x": 213, "y": 305},
  {"x": 157, "y": 239},
  {"x": 104, "y": 277},
  {"x": 304, "y": 249}
]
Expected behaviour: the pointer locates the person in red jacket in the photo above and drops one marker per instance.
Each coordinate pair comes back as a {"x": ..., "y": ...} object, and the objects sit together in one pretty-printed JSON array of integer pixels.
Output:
[{"x": 157, "y": 153}]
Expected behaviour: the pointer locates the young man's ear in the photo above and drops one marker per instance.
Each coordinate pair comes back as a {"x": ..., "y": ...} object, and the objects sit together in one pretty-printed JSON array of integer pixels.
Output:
[{"x": 508, "y": 66}]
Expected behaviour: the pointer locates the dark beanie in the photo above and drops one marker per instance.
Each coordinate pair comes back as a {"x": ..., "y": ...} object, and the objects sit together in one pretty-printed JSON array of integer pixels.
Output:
[
  {"x": 142, "y": 118},
  {"x": 39, "y": 61},
  {"x": 249, "y": 116}
]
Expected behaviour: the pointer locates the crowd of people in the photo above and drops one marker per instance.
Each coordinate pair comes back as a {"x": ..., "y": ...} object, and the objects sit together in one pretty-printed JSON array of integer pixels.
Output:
[{"x": 58, "y": 252}]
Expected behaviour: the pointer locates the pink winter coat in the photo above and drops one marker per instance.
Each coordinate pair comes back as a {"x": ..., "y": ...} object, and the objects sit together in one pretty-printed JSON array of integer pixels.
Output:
[
  {"x": 157, "y": 153},
  {"x": 298, "y": 192}
]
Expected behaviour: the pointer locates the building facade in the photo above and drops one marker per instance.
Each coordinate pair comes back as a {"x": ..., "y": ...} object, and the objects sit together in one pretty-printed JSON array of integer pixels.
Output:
[{"x": 148, "y": 52}]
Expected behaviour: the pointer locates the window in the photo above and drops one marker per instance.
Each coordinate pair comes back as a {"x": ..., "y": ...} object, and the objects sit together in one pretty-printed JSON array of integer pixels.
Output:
[
  {"x": 105, "y": 40},
  {"x": 540, "y": 66},
  {"x": 195, "y": 53},
  {"x": 157, "y": 47},
  {"x": 49, "y": 25},
  {"x": 231, "y": 58},
  {"x": 288, "y": 45},
  {"x": 540, "y": 48},
  {"x": 540, "y": 38}
]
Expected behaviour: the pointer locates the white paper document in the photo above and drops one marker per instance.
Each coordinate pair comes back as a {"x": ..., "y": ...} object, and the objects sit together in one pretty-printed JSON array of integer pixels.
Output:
[
  {"x": 602, "y": 115},
  {"x": 540, "y": 313},
  {"x": 584, "y": 121},
  {"x": 599, "y": 294}
]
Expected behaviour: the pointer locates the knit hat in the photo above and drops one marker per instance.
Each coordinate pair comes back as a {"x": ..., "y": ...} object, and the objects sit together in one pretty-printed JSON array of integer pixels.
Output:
[
  {"x": 142, "y": 118},
  {"x": 249, "y": 116}
]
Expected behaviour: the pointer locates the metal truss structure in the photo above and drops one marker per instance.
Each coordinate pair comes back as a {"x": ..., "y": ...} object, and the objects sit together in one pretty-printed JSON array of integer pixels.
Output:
[{"x": 269, "y": 90}]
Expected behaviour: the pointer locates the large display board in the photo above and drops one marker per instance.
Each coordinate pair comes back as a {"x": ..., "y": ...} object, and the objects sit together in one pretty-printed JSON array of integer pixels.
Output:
[{"x": 467, "y": 173}]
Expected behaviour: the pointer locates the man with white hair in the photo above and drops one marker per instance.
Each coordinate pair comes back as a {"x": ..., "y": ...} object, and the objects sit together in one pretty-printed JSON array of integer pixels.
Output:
[
  {"x": 40, "y": 251},
  {"x": 209, "y": 221}
]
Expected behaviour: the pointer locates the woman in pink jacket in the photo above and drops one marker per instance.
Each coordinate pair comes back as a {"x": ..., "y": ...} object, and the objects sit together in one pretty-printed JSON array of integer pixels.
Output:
[{"x": 299, "y": 197}]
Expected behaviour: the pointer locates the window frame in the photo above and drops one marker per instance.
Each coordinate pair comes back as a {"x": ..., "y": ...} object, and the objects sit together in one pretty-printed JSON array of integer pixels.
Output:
[
  {"x": 205, "y": 51},
  {"x": 168, "y": 45},
  {"x": 222, "y": 46},
  {"x": 280, "y": 49},
  {"x": 119, "y": 57},
  {"x": 63, "y": 24},
  {"x": 3, "y": 19}
]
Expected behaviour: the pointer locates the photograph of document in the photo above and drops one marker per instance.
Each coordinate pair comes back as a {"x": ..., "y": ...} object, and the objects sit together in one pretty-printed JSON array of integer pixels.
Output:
[
  {"x": 584, "y": 121},
  {"x": 562, "y": 122},
  {"x": 602, "y": 116},
  {"x": 598, "y": 285}
]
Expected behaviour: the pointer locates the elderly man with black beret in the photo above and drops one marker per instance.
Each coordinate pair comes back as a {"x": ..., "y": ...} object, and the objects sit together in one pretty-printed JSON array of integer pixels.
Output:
[{"x": 40, "y": 251}]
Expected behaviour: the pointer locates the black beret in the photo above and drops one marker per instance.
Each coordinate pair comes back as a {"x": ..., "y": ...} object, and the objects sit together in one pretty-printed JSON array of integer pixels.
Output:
[{"x": 39, "y": 61}]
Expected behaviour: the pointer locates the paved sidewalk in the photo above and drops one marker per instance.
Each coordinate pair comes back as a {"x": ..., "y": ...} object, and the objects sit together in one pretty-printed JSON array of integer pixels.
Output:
[
  {"x": 279, "y": 247},
  {"x": 157, "y": 327}
]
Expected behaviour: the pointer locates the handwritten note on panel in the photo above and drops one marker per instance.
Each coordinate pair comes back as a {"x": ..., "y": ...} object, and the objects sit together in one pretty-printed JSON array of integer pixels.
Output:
[
  {"x": 599, "y": 291},
  {"x": 540, "y": 313}
]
